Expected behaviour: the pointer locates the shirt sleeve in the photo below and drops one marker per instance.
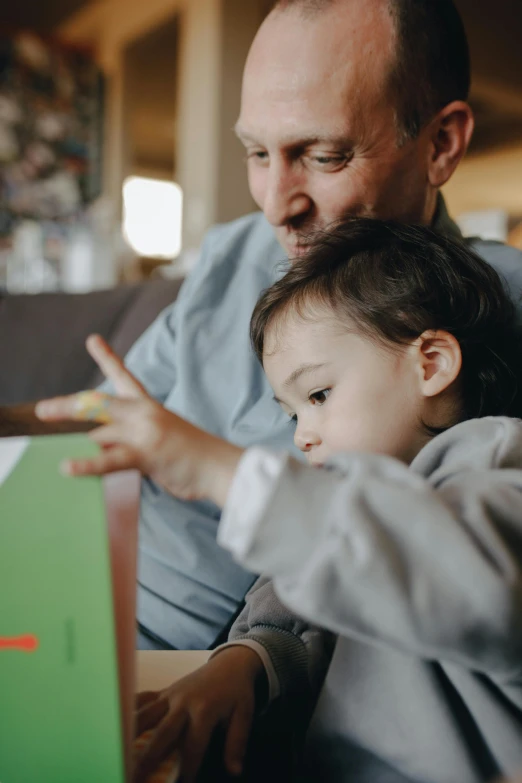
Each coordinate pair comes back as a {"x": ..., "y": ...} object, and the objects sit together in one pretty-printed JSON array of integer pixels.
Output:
[
  {"x": 152, "y": 359},
  {"x": 373, "y": 550}
]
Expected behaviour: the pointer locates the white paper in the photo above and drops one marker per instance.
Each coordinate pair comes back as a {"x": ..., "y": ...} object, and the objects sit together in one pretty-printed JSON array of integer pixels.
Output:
[{"x": 11, "y": 452}]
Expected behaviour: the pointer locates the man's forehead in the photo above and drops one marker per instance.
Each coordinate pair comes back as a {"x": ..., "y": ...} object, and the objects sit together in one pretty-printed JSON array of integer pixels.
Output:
[
  {"x": 323, "y": 67},
  {"x": 293, "y": 51},
  {"x": 322, "y": 117}
]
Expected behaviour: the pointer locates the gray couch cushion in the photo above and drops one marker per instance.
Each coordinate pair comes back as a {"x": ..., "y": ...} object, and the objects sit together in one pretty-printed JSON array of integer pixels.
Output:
[{"x": 42, "y": 337}]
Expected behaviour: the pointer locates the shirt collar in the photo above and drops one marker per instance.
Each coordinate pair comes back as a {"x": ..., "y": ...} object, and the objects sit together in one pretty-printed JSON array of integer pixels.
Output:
[{"x": 442, "y": 221}]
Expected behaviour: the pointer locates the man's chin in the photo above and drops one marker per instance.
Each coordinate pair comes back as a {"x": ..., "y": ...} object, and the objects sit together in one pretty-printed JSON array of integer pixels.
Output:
[
  {"x": 299, "y": 252},
  {"x": 293, "y": 247},
  {"x": 294, "y": 251}
]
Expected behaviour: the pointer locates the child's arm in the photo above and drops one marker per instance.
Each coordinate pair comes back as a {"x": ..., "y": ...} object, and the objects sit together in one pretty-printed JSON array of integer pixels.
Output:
[
  {"x": 272, "y": 655},
  {"x": 296, "y": 654},
  {"x": 426, "y": 559}
]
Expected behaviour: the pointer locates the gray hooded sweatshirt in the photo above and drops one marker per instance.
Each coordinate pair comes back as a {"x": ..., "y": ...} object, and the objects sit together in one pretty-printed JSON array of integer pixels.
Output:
[{"x": 418, "y": 571}]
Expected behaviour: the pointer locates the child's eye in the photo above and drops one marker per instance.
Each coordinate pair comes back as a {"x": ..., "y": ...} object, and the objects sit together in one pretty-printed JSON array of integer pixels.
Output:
[{"x": 319, "y": 397}]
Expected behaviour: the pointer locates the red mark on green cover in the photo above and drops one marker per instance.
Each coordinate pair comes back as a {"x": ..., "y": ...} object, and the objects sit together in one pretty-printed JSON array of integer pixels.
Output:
[{"x": 27, "y": 643}]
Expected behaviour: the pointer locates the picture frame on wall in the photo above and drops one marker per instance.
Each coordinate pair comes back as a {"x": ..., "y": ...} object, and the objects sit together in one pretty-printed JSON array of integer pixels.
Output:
[{"x": 51, "y": 129}]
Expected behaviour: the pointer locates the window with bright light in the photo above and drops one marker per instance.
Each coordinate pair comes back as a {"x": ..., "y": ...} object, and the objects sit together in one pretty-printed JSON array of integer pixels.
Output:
[{"x": 152, "y": 212}]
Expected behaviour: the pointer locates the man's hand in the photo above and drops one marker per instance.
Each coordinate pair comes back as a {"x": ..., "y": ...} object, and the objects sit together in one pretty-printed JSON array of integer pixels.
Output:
[
  {"x": 221, "y": 694},
  {"x": 141, "y": 434}
]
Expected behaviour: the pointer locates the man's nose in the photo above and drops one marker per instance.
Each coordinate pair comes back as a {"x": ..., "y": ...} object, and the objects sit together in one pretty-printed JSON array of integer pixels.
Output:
[
  {"x": 285, "y": 196},
  {"x": 305, "y": 439}
]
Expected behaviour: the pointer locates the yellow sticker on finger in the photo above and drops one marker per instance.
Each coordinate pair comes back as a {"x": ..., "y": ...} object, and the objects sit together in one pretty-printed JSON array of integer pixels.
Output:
[{"x": 92, "y": 406}]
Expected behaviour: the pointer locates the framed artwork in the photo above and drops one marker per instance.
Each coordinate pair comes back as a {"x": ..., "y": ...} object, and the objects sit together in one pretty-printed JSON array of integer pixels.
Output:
[{"x": 51, "y": 118}]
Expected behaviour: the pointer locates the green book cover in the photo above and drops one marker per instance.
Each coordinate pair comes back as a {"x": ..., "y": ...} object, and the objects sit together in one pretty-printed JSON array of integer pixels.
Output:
[{"x": 59, "y": 704}]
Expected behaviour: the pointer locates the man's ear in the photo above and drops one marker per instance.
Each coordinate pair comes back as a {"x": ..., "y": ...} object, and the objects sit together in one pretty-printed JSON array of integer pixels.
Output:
[
  {"x": 439, "y": 362},
  {"x": 450, "y": 135}
]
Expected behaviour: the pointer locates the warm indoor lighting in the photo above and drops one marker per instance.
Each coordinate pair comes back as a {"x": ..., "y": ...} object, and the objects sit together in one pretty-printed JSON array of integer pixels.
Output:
[{"x": 152, "y": 211}]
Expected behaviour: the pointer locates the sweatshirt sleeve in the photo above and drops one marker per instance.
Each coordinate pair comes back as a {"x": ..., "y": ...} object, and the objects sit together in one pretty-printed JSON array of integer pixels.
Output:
[
  {"x": 425, "y": 559},
  {"x": 295, "y": 653}
]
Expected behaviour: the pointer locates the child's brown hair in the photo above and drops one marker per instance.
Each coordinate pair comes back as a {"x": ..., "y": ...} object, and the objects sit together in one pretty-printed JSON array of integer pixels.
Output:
[{"x": 394, "y": 282}]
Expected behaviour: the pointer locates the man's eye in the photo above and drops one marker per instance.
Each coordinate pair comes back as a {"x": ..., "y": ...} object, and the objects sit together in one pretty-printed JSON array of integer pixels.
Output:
[
  {"x": 293, "y": 418},
  {"x": 319, "y": 397},
  {"x": 258, "y": 156},
  {"x": 329, "y": 162}
]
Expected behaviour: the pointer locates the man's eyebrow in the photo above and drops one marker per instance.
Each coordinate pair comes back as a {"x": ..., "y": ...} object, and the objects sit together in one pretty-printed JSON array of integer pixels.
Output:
[
  {"x": 335, "y": 139},
  {"x": 242, "y": 134},
  {"x": 302, "y": 370}
]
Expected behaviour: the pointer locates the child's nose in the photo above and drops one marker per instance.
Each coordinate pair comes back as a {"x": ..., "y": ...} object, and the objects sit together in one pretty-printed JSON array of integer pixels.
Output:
[{"x": 305, "y": 440}]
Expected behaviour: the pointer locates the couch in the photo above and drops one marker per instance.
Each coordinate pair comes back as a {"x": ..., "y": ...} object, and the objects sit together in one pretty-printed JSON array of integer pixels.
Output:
[{"x": 42, "y": 336}]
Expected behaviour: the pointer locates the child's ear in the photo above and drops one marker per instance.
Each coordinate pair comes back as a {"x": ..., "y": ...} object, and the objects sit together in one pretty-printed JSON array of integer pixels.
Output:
[{"x": 439, "y": 361}]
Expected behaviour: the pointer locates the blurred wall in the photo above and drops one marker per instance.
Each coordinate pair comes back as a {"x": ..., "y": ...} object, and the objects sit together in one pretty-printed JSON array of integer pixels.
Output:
[
  {"x": 239, "y": 23},
  {"x": 214, "y": 37},
  {"x": 150, "y": 64},
  {"x": 490, "y": 177},
  {"x": 489, "y": 180},
  {"x": 217, "y": 36}
]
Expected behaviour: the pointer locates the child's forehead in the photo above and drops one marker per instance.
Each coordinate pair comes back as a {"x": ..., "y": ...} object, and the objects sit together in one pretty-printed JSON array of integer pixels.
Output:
[{"x": 309, "y": 328}]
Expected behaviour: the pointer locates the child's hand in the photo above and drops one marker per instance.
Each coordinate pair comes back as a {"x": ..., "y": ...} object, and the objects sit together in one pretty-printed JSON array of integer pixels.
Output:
[
  {"x": 141, "y": 434},
  {"x": 221, "y": 694}
]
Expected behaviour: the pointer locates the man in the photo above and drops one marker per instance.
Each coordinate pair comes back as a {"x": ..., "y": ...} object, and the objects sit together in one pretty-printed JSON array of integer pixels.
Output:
[{"x": 348, "y": 107}]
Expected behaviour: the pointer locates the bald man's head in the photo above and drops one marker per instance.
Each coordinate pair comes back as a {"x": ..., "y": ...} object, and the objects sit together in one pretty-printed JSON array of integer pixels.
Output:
[
  {"x": 431, "y": 67},
  {"x": 351, "y": 107}
]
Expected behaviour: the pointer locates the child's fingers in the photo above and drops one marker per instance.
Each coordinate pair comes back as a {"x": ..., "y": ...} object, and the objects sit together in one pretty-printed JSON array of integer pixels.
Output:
[
  {"x": 113, "y": 368},
  {"x": 151, "y": 713},
  {"x": 164, "y": 739},
  {"x": 108, "y": 435},
  {"x": 60, "y": 408},
  {"x": 195, "y": 745},
  {"x": 109, "y": 461},
  {"x": 237, "y": 740},
  {"x": 145, "y": 697},
  {"x": 83, "y": 406},
  {"x": 93, "y": 406}
]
